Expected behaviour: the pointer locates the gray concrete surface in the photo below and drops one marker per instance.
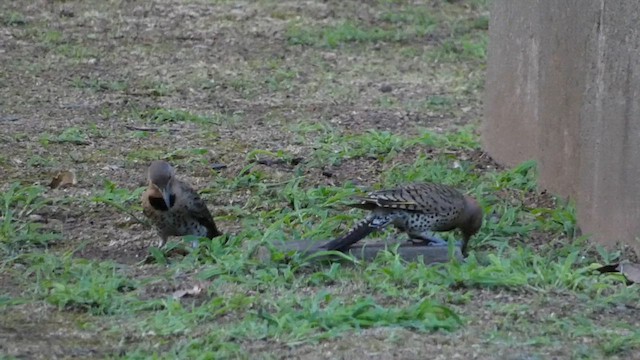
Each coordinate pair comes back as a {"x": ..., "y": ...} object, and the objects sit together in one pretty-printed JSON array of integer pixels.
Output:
[{"x": 370, "y": 250}]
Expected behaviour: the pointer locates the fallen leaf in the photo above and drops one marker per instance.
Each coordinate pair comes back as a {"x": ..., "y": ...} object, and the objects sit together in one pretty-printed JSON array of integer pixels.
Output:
[{"x": 63, "y": 179}]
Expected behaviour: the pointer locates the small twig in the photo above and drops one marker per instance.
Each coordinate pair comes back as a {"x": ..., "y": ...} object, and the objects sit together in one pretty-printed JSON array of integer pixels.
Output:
[
  {"x": 9, "y": 118},
  {"x": 269, "y": 162},
  {"x": 278, "y": 161},
  {"x": 269, "y": 185},
  {"x": 125, "y": 210},
  {"x": 140, "y": 128}
]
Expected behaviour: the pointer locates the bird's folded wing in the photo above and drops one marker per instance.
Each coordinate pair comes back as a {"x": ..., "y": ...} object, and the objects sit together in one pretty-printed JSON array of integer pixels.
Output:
[
  {"x": 199, "y": 211},
  {"x": 425, "y": 198}
]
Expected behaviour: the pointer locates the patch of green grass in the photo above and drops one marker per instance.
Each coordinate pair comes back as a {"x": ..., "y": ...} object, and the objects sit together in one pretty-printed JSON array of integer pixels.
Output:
[
  {"x": 396, "y": 26},
  {"x": 372, "y": 144},
  {"x": 243, "y": 84},
  {"x": 79, "y": 284},
  {"x": 247, "y": 299},
  {"x": 17, "y": 231},
  {"x": 615, "y": 343},
  {"x": 333, "y": 317},
  {"x": 72, "y": 135},
  {"x": 145, "y": 155},
  {"x": 280, "y": 79},
  {"x": 55, "y": 41},
  {"x": 468, "y": 26},
  {"x": 120, "y": 198},
  {"x": 38, "y": 161},
  {"x": 334, "y": 36},
  {"x": 14, "y": 19},
  {"x": 186, "y": 156},
  {"x": 99, "y": 85},
  {"x": 177, "y": 116},
  {"x": 20, "y": 136},
  {"x": 76, "y": 51},
  {"x": 412, "y": 21},
  {"x": 443, "y": 104},
  {"x": 157, "y": 88},
  {"x": 475, "y": 4},
  {"x": 462, "y": 139},
  {"x": 461, "y": 49},
  {"x": 48, "y": 37},
  {"x": 387, "y": 102},
  {"x": 438, "y": 102}
]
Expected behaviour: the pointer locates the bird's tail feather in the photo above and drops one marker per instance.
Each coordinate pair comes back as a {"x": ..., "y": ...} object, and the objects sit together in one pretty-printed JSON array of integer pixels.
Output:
[{"x": 357, "y": 233}]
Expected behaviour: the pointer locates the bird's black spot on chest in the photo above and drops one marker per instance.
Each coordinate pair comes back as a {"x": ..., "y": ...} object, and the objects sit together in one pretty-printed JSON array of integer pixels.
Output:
[{"x": 159, "y": 204}]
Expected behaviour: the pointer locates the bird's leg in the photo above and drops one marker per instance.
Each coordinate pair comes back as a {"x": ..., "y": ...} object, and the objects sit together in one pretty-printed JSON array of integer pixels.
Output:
[
  {"x": 163, "y": 241},
  {"x": 427, "y": 238},
  {"x": 381, "y": 221}
]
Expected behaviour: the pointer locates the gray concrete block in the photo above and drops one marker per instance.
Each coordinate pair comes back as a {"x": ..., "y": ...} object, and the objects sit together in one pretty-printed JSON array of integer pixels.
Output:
[{"x": 563, "y": 87}]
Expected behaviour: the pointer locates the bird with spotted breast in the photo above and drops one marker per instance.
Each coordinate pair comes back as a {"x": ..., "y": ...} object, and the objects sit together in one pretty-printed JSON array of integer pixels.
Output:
[
  {"x": 417, "y": 209},
  {"x": 174, "y": 207}
]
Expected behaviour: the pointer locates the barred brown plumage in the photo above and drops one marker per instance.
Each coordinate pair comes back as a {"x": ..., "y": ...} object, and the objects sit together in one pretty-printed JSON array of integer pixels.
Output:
[
  {"x": 174, "y": 207},
  {"x": 416, "y": 209}
]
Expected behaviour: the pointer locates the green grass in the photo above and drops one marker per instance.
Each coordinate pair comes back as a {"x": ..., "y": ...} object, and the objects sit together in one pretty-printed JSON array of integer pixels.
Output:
[
  {"x": 75, "y": 51},
  {"x": 99, "y": 85},
  {"x": 72, "y": 261},
  {"x": 461, "y": 48},
  {"x": 72, "y": 135},
  {"x": 17, "y": 232},
  {"x": 79, "y": 285},
  {"x": 247, "y": 299},
  {"x": 123, "y": 200},
  {"x": 14, "y": 19},
  {"x": 397, "y": 25},
  {"x": 335, "y": 36},
  {"x": 164, "y": 116},
  {"x": 156, "y": 88}
]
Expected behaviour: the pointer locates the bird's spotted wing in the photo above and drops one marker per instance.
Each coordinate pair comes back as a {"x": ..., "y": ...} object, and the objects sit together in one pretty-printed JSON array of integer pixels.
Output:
[
  {"x": 422, "y": 197},
  {"x": 197, "y": 208}
]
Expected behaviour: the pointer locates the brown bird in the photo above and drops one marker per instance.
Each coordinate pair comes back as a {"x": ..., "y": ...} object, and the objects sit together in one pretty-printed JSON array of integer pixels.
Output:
[
  {"x": 417, "y": 209},
  {"x": 174, "y": 207}
]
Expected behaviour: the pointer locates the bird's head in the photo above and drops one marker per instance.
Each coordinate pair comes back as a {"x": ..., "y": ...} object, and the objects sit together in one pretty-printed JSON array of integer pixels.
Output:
[
  {"x": 472, "y": 220},
  {"x": 160, "y": 176}
]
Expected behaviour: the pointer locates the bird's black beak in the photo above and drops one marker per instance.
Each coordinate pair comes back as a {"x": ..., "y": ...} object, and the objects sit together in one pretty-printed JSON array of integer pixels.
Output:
[{"x": 166, "y": 196}]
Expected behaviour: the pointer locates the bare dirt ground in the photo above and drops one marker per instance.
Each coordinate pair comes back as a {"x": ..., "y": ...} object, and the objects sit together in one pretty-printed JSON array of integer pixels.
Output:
[
  {"x": 99, "y": 86},
  {"x": 90, "y": 68}
]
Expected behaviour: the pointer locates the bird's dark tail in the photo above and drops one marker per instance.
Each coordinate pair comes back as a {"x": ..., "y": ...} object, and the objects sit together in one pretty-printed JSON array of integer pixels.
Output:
[
  {"x": 212, "y": 231},
  {"x": 357, "y": 233}
]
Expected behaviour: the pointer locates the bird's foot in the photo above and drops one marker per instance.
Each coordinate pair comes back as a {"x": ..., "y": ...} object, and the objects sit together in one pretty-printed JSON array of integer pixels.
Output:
[
  {"x": 161, "y": 244},
  {"x": 429, "y": 242},
  {"x": 432, "y": 241}
]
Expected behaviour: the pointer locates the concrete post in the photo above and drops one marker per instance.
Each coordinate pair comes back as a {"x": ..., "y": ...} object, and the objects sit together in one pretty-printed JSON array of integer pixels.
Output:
[{"x": 563, "y": 87}]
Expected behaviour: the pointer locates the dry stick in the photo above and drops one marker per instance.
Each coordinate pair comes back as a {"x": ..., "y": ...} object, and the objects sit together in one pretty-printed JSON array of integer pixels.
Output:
[
  {"x": 125, "y": 210},
  {"x": 140, "y": 128}
]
